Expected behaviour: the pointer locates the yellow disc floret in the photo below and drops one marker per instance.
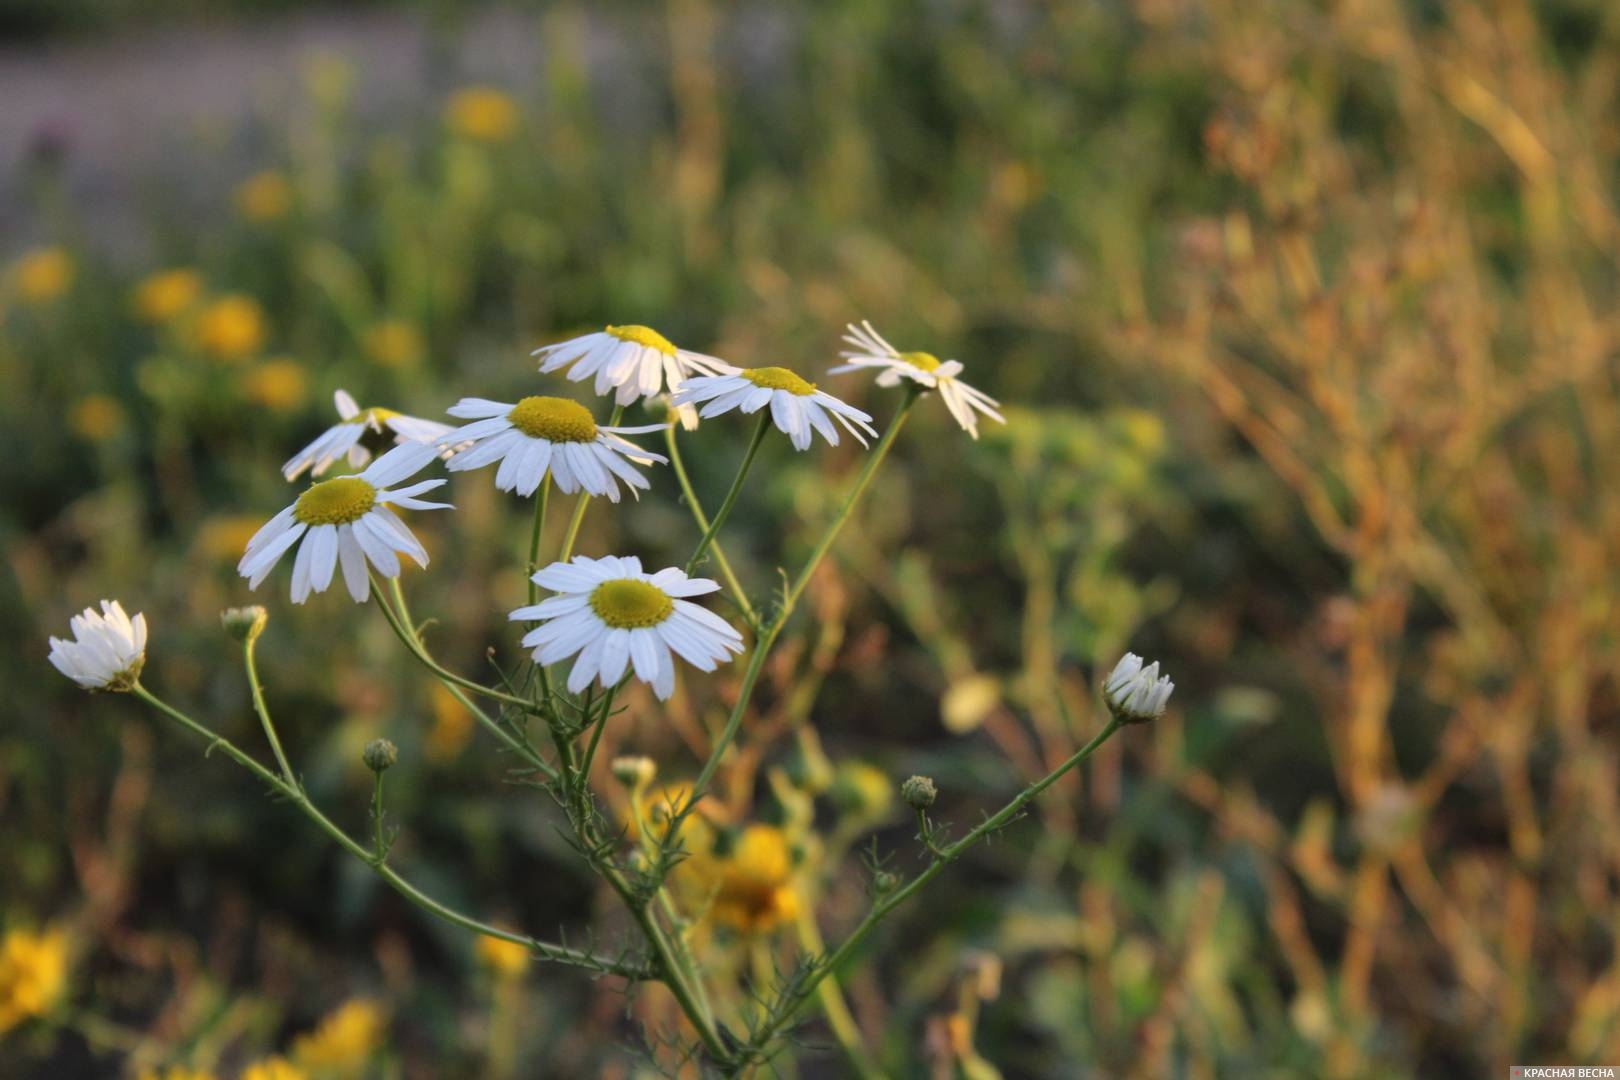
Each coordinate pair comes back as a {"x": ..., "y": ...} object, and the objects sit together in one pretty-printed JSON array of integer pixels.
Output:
[
  {"x": 335, "y": 502},
  {"x": 924, "y": 361},
  {"x": 643, "y": 335},
  {"x": 779, "y": 378},
  {"x": 629, "y": 604},
  {"x": 373, "y": 416},
  {"x": 553, "y": 419}
]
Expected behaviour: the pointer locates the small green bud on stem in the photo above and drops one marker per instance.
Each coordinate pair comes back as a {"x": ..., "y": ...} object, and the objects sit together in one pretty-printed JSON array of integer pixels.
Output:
[
  {"x": 379, "y": 755},
  {"x": 245, "y": 624},
  {"x": 919, "y": 792}
]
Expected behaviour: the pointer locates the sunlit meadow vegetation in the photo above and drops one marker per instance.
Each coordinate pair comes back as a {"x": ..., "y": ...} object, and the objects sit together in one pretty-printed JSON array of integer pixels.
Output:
[{"x": 1304, "y": 318}]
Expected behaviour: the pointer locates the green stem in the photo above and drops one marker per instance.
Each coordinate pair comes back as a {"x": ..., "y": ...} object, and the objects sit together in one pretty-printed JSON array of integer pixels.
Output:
[
  {"x": 534, "y": 535},
  {"x": 296, "y": 796},
  {"x": 702, "y": 521},
  {"x": 454, "y": 682},
  {"x": 377, "y": 817},
  {"x": 833, "y": 1006},
  {"x": 767, "y": 637},
  {"x": 731, "y": 495},
  {"x": 783, "y": 1011},
  {"x": 264, "y": 713}
]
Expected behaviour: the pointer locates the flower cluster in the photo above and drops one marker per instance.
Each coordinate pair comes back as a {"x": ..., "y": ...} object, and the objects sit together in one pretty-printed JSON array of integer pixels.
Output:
[{"x": 608, "y": 613}]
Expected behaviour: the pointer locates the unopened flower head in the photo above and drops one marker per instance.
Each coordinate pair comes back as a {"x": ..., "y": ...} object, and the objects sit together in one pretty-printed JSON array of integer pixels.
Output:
[
  {"x": 797, "y": 407},
  {"x": 346, "y": 522},
  {"x": 245, "y": 624},
  {"x": 106, "y": 651},
  {"x": 549, "y": 434},
  {"x": 632, "y": 361},
  {"x": 356, "y": 428},
  {"x": 1136, "y": 694},
  {"x": 868, "y": 350},
  {"x": 634, "y": 771},
  {"x": 379, "y": 755},
  {"x": 919, "y": 792},
  {"x": 612, "y": 614}
]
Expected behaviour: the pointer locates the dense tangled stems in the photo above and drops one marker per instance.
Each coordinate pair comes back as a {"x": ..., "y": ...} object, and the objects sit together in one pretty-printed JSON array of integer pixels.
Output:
[{"x": 674, "y": 869}]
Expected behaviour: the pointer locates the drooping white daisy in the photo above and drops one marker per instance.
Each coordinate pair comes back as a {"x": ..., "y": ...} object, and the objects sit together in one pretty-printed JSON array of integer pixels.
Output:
[
  {"x": 107, "y": 649},
  {"x": 869, "y": 350},
  {"x": 346, "y": 522},
  {"x": 1136, "y": 694},
  {"x": 633, "y": 361},
  {"x": 797, "y": 407},
  {"x": 612, "y": 614},
  {"x": 541, "y": 433},
  {"x": 357, "y": 428}
]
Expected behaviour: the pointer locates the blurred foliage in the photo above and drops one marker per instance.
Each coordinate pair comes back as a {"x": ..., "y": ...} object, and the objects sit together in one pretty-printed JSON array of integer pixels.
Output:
[{"x": 1304, "y": 314}]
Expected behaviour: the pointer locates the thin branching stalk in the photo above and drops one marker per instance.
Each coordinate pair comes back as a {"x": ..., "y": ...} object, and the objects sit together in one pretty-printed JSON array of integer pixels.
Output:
[
  {"x": 796, "y": 995},
  {"x": 730, "y": 500},
  {"x": 689, "y": 496},
  {"x": 296, "y": 796},
  {"x": 264, "y": 713}
]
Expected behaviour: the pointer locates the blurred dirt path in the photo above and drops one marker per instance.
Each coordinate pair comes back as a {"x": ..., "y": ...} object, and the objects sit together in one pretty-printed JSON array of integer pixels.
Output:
[{"x": 159, "y": 104}]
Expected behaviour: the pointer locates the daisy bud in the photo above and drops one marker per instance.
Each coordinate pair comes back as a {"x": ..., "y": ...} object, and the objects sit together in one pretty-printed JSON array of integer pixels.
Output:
[
  {"x": 379, "y": 755},
  {"x": 634, "y": 772},
  {"x": 106, "y": 651},
  {"x": 1136, "y": 694},
  {"x": 919, "y": 792},
  {"x": 884, "y": 882},
  {"x": 245, "y": 624}
]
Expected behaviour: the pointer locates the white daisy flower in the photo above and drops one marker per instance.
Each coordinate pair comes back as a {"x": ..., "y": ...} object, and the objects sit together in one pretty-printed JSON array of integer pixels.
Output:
[
  {"x": 612, "y": 614},
  {"x": 797, "y": 407},
  {"x": 541, "y": 433},
  {"x": 357, "y": 428},
  {"x": 346, "y": 522},
  {"x": 1134, "y": 693},
  {"x": 634, "y": 361},
  {"x": 107, "y": 649},
  {"x": 869, "y": 350}
]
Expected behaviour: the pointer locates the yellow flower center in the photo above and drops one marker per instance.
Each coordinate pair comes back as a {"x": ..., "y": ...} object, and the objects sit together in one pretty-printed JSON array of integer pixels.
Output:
[
  {"x": 779, "y": 378},
  {"x": 926, "y": 361},
  {"x": 629, "y": 604},
  {"x": 643, "y": 335},
  {"x": 553, "y": 419},
  {"x": 335, "y": 502},
  {"x": 374, "y": 415}
]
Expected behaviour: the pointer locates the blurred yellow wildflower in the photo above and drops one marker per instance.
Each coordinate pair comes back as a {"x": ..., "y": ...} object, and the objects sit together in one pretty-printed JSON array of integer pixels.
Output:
[
  {"x": 225, "y": 536},
  {"x": 452, "y": 725},
  {"x": 344, "y": 1040},
  {"x": 160, "y": 297},
  {"x": 230, "y": 328},
  {"x": 33, "y": 974},
  {"x": 96, "y": 417},
  {"x": 273, "y": 1068},
  {"x": 862, "y": 789},
  {"x": 278, "y": 385},
  {"x": 655, "y": 807},
  {"x": 753, "y": 888},
  {"x": 174, "y": 1072},
  {"x": 482, "y": 113},
  {"x": 264, "y": 197},
  {"x": 43, "y": 274},
  {"x": 505, "y": 959},
  {"x": 393, "y": 343}
]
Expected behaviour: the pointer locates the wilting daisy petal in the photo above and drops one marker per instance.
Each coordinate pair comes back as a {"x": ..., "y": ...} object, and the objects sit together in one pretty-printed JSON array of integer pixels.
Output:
[
  {"x": 868, "y": 350},
  {"x": 548, "y": 434},
  {"x": 616, "y": 618},
  {"x": 1135, "y": 693},
  {"x": 343, "y": 524},
  {"x": 797, "y": 407},
  {"x": 632, "y": 361},
  {"x": 107, "y": 649},
  {"x": 359, "y": 432}
]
